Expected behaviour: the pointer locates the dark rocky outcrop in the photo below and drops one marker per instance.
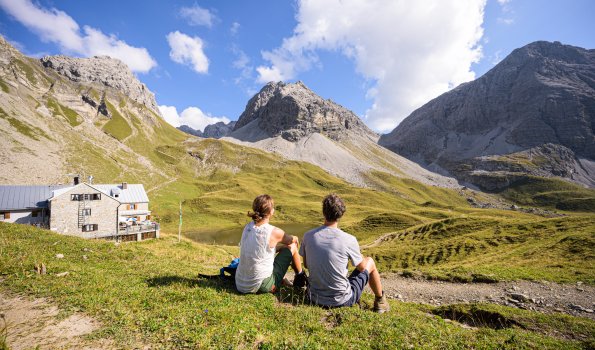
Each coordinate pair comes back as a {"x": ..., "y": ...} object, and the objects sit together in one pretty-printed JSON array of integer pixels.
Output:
[
  {"x": 542, "y": 93},
  {"x": 293, "y": 111},
  {"x": 190, "y": 130},
  {"x": 219, "y": 130},
  {"x": 215, "y": 131}
]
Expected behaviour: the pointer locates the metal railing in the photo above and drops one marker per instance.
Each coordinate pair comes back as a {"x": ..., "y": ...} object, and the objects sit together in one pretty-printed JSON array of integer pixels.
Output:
[{"x": 128, "y": 230}]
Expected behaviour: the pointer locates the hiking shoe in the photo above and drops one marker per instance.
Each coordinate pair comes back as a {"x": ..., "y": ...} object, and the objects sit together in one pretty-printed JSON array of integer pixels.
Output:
[
  {"x": 300, "y": 280},
  {"x": 286, "y": 282},
  {"x": 381, "y": 304}
]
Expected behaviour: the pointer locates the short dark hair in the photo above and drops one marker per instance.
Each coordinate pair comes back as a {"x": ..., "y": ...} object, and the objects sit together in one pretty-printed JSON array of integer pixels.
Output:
[{"x": 333, "y": 207}]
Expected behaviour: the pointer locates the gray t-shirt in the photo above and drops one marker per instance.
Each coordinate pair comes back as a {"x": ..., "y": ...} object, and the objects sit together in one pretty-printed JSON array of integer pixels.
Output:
[{"x": 327, "y": 251}]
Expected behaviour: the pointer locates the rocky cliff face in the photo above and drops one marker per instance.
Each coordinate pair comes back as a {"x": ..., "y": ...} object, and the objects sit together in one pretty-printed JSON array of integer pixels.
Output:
[
  {"x": 103, "y": 70},
  {"x": 543, "y": 93},
  {"x": 293, "y": 111}
]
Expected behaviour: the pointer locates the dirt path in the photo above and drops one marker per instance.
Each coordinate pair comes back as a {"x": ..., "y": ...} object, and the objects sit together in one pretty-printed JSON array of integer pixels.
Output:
[
  {"x": 36, "y": 323},
  {"x": 576, "y": 299}
]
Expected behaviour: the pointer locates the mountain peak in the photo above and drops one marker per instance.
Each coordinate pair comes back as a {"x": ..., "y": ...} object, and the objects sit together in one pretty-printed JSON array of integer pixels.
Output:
[
  {"x": 105, "y": 70},
  {"x": 292, "y": 111},
  {"x": 542, "y": 93}
]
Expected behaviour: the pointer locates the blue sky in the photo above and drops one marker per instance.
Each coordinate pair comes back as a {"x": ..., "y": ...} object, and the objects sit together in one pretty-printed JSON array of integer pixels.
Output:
[{"x": 381, "y": 59}]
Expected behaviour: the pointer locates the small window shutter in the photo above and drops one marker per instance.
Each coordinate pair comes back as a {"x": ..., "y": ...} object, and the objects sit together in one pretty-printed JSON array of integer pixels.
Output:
[{"x": 7, "y": 215}]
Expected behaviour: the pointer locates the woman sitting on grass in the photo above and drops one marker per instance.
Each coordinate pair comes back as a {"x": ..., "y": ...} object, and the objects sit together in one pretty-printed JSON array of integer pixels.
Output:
[{"x": 260, "y": 270}]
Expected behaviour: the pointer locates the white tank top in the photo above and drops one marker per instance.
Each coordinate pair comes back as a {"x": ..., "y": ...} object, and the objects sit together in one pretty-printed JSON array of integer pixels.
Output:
[{"x": 256, "y": 257}]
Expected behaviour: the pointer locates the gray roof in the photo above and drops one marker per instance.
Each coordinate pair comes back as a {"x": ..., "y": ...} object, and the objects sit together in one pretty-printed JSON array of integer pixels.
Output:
[
  {"x": 134, "y": 193},
  {"x": 26, "y": 197}
]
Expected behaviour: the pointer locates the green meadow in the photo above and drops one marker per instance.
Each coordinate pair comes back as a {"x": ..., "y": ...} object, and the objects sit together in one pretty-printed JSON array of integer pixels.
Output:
[{"x": 148, "y": 293}]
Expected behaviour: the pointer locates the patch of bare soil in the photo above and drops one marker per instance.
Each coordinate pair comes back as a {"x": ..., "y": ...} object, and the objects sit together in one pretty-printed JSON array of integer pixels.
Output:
[
  {"x": 547, "y": 297},
  {"x": 35, "y": 323}
]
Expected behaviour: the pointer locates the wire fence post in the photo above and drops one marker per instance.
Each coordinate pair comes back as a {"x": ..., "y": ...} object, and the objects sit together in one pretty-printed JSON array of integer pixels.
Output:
[{"x": 180, "y": 225}]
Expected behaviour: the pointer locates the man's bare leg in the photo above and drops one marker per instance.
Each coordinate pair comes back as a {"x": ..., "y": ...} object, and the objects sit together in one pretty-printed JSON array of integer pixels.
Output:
[{"x": 375, "y": 284}]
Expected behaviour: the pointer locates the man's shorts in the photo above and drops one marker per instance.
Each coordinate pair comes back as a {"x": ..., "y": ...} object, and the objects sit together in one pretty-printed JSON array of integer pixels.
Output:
[
  {"x": 358, "y": 281},
  {"x": 280, "y": 265}
]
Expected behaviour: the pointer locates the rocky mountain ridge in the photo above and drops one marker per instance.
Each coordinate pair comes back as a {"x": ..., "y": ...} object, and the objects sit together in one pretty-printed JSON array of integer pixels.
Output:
[
  {"x": 293, "y": 111},
  {"x": 103, "y": 70},
  {"x": 59, "y": 120},
  {"x": 542, "y": 93},
  {"x": 215, "y": 131},
  {"x": 291, "y": 120}
]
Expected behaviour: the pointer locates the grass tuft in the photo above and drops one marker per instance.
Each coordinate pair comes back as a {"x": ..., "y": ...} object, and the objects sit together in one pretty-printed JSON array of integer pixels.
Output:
[
  {"x": 23, "y": 128},
  {"x": 24, "y": 67},
  {"x": 117, "y": 126},
  {"x": 4, "y": 86},
  {"x": 59, "y": 109}
]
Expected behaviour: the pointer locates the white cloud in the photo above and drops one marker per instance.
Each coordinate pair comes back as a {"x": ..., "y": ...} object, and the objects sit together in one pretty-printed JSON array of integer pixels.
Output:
[
  {"x": 188, "y": 50},
  {"x": 410, "y": 51},
  {"x": 191, "y": 116},
  {"x": 234, "y": 29},
  {"x": 507, "y": 21},
  {"x": 55, "y": 26},
  {"x": 198, "y": 16}
]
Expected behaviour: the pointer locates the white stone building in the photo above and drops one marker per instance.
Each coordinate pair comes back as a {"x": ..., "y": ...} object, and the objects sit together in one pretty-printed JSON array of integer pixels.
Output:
[{"x": 118, "y": 211}]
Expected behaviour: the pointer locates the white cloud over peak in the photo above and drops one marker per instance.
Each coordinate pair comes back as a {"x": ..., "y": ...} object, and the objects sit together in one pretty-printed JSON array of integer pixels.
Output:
[
  {"x": 198, "y": 16},
  {"x": 55, "y": 26},
  {"x": 410, "y": 51},
  {"x": 191, "y": 116},
  {"x": 188, "y": 50}
]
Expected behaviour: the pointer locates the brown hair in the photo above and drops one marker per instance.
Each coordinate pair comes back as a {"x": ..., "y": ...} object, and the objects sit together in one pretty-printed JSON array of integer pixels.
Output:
[
  {"x": 261, "y": 207},
  {"x": 333, "y": 207}
]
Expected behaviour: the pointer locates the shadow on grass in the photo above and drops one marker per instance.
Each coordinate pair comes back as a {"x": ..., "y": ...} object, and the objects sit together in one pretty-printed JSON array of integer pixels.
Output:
[{"x": 215, "y": 283}]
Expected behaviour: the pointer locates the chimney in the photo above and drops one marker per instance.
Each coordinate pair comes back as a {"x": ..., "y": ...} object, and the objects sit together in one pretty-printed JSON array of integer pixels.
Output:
[
  {"x": 90, "y": 180},
  {"x": 76, "y": 180},
  {"x": 124, "y": 185}
]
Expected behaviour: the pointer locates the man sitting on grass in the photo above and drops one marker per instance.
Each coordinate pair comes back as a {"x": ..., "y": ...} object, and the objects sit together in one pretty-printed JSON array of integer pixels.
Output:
[{"x": 326, "y": 251}]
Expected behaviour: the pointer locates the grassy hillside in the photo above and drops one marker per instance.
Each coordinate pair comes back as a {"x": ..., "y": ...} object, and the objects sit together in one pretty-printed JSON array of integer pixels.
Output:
[
  {"x": 490, "y": 246},
  {"x": 148, "y": 290},
  {"x": 551, "y": 193}
]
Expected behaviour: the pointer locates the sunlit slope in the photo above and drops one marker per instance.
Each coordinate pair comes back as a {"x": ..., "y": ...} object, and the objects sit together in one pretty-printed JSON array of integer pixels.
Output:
[
  {"x": 217, "y": 181},
  {"x": 490, "y": 245}
]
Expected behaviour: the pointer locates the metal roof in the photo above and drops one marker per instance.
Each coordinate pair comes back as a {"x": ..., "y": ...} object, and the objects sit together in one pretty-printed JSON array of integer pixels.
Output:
[
  {"x": 134, "y": 193},
  {"x": 15, "y": 197}
]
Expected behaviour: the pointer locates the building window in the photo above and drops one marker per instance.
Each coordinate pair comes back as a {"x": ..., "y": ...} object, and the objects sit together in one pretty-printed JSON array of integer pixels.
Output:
[
  {"x": 133, "y": 206},
  {"x": 90, "y": 227},
  {"x": 86, "y": 197},
  {"x": 86, "y": 212},
  {"x": 34, "y": 214},
  {"x": 2, "y": 215}
]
